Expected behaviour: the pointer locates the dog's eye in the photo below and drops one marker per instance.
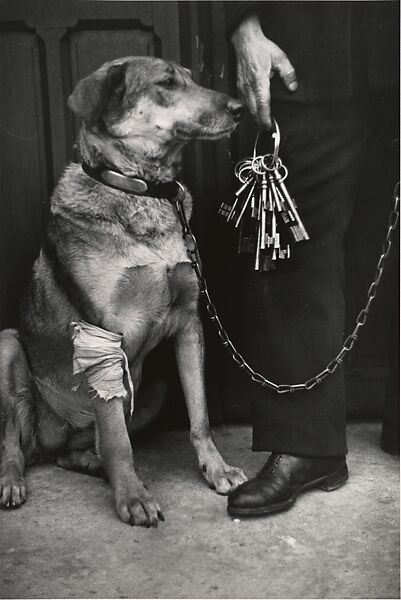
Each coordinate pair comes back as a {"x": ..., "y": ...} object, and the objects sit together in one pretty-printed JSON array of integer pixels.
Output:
[{"x": 167, "y": 83}]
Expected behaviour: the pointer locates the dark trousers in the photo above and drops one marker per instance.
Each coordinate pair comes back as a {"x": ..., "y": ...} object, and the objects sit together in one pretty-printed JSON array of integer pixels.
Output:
[{"x": 297, "y": 311}]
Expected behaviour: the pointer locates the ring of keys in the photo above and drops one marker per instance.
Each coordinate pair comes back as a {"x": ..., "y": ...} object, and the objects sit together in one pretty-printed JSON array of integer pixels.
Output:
[{"x": 274, "y": 223}]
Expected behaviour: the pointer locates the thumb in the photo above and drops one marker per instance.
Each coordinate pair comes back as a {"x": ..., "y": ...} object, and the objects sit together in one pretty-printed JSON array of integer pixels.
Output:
[{"x": 286, "y": 71}]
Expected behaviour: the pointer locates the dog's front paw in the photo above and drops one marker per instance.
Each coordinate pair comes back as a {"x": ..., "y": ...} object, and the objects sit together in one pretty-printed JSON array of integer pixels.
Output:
[
  {"x": 136, "y": 506},
  {"x": 222, "y": 477},
  {"x": 12, "y": 490}
]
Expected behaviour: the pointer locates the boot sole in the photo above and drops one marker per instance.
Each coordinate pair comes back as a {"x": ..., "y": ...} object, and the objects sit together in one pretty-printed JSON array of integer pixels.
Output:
[{"x": 328, "y": 483}]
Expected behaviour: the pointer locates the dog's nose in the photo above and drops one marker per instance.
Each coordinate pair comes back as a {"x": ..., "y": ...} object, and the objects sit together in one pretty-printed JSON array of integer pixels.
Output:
[{"x": 236, "y": 110}]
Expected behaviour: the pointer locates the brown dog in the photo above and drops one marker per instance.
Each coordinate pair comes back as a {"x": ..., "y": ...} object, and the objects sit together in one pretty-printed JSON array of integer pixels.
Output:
[{"x": 117, "y": 261}]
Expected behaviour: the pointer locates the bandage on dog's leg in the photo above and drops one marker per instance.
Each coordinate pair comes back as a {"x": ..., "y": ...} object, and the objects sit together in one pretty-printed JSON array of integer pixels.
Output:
[{"x": 100, "y": 359}]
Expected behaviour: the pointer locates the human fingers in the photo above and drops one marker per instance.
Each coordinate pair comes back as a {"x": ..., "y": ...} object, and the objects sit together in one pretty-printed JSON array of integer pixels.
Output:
[
  {"x": 254, "y": 90},
  {"x": 282, "y": 65},
  {"x": 262, "y": 99}
]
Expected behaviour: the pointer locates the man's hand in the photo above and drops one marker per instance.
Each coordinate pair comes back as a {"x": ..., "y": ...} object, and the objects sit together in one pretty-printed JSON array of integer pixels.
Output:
[{"x": 258, "y": 59}]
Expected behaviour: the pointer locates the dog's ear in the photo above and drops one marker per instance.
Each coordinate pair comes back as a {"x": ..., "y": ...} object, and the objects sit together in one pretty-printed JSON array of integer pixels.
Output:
[{"x": 95, "y": 93}]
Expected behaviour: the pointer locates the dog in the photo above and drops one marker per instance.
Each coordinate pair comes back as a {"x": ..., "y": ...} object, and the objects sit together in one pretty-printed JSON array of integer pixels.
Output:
[{"x": 113, "y": 262}]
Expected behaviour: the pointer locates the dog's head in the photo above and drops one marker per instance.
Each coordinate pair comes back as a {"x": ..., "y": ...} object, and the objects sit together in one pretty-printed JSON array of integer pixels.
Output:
[{"x": 153, "y": 99}]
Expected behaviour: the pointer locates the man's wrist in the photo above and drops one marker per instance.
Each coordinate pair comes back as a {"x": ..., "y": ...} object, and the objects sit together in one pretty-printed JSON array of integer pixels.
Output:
[{"x": 249, "y": 28}]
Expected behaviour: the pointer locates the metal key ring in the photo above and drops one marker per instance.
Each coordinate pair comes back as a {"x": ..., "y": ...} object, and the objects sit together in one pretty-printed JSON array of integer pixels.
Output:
[
  {"x": 272, "y": 164},
  {"x": 241, "y": 163},
  {"x": 257, "y": 166},
  {"x": 241, "y": 166},
  {"x": 244, "y": 173},
  {"x": 276, "y": 138},
  {"x": 237, "y": 168},
  {"x": 282, "y": 176}
]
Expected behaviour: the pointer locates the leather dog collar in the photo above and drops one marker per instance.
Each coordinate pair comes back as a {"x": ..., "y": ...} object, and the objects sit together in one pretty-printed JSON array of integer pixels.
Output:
[{"x": 133, "y": 185}]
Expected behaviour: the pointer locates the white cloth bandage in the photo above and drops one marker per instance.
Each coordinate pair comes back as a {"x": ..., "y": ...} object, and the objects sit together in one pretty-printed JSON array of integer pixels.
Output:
[{"x": 99, "y": 356}]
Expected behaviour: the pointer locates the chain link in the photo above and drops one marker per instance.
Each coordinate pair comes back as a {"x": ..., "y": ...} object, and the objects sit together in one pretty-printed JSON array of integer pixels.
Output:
[{"x": 332, "y": 366}]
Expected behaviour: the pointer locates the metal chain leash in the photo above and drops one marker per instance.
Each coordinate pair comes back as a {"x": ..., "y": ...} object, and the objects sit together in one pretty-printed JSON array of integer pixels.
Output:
[{"x": 193, "y": 253}]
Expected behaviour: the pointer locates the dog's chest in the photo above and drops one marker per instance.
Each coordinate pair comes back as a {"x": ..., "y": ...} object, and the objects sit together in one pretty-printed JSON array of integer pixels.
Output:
[
  {"x": 151, "y": 302},
  {"x": 156, "y": 288},
  {"x": 135, "y": 272}
]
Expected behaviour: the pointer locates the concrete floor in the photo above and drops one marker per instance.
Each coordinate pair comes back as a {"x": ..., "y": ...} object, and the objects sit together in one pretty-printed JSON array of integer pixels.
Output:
[{"x": 66, "y": 542}]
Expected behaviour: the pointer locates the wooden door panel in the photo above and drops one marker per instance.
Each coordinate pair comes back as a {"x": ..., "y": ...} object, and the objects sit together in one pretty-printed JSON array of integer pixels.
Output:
[
  {"x": 23, "y": 173},
  {"x": 90, "y": 49},
  {"x": 46, "y": 47}
]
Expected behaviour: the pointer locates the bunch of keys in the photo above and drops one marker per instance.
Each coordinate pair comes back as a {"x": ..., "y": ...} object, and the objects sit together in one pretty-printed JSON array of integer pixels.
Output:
[{"x": 275, "y": 222}]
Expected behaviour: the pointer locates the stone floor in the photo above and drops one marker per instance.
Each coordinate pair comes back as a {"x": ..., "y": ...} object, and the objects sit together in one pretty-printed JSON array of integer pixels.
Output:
[{"x": 66, "y": 542}]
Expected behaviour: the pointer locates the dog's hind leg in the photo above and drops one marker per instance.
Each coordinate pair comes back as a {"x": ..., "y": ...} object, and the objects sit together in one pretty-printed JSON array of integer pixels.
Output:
[
  {"x": 81, "y": 454},
  {"x": 16, "y": 419},
  {"x": 84, "y": 461}
]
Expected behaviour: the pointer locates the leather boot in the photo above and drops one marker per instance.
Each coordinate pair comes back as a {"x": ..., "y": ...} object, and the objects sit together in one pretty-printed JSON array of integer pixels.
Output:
[{"x": 282, "y": 479}]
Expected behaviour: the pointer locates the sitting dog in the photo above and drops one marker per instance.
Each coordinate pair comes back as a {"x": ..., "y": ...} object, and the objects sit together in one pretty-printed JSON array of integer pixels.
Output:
[{"x": 112, "y": 280}]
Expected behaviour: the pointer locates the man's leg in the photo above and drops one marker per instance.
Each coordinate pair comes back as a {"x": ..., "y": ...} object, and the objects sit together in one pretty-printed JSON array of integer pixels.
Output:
[{"x": 297, "y": 311}]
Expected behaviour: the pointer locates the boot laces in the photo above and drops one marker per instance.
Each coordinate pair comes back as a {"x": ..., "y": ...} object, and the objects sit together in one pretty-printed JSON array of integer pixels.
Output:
[{"x": 272, "y": 464}]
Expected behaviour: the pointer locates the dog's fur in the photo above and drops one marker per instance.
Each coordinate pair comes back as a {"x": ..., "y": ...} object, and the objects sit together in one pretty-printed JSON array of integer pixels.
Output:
[{"x": 119, "y": 262}]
